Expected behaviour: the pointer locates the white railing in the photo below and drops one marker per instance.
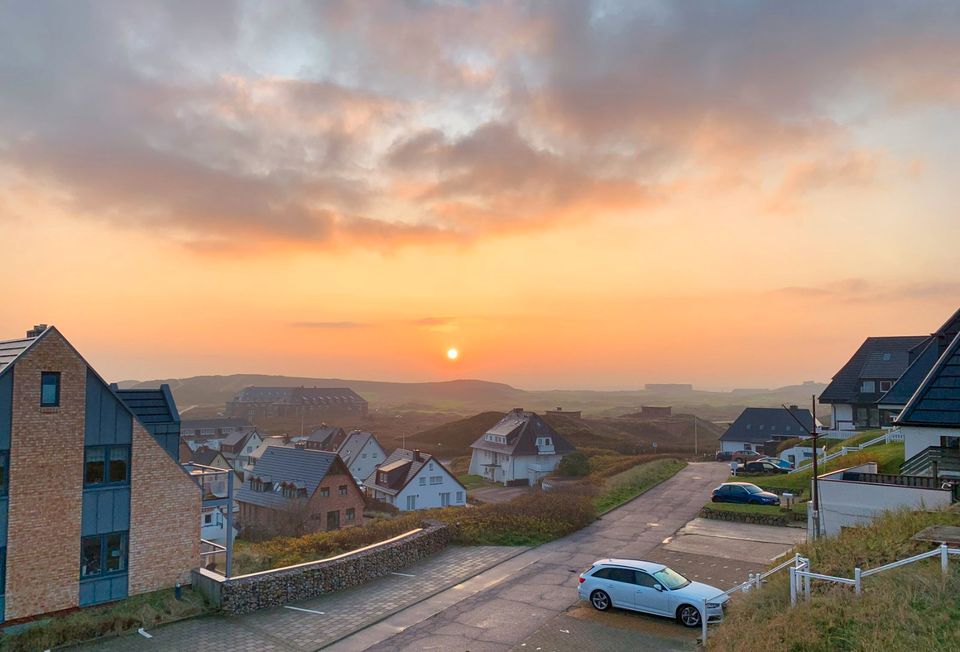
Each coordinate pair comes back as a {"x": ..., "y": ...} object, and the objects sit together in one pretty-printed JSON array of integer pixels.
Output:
[
  {"x": 884, "y": 438},
  {"x": 801, "y": 575},
  {"x": 942, "y": 551},
  {"x": 754, "y": 582}
]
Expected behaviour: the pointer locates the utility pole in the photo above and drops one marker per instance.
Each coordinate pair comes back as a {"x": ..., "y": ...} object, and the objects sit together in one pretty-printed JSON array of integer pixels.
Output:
[
  {"x": 816, "y": 483},
  {"x": 696, "y": 446}
]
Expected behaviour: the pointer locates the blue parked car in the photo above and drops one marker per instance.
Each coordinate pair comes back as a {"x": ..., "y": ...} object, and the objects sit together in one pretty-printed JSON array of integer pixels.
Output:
[{"x": 744, "y": 492}]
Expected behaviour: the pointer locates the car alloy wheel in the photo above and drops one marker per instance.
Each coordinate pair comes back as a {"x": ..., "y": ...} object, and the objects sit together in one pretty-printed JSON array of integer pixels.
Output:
[
  {"x": 600, "y": 600},
  {"x": 689, "y": 615}
]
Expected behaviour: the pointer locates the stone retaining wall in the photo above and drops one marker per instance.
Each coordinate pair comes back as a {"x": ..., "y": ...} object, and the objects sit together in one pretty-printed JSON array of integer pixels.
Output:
[
  {"x": 273, "y": 588},
  {"x": 783, "y": 519}
]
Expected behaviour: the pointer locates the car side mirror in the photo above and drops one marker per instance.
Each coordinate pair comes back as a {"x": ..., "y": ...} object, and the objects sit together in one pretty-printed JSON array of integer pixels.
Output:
[{"x": 658, "y": 587}]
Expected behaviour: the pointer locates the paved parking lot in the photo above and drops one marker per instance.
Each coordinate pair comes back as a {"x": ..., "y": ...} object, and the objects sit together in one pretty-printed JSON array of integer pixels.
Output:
[
  {"x": 720, "y": 553},
  {"x": 312, "y": 624}
]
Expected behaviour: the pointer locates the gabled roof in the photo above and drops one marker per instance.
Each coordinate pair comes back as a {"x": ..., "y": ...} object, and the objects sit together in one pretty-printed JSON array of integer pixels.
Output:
[
  {"x": 401, "y": 468},
  {"x": 521, "y": 430},
  {"x": 353, "y": 444},
  {"x": 10, "y": 350},
  {"x": 924, "y": 357},
  {"x": 329, "y": 437},
  {"x": 762, "y": 424},
  {"x": 151, "y": 406},
  {"x": 299, "y": 395},
  {"x": 290, "y": 465},
  {"x": 205, "y": 456},
  {"x": 937, "y": 401},
  {"x": 877, "y": 358},
  {"x": 236, "y": 439},
  {"x": 266, "y": 443}
]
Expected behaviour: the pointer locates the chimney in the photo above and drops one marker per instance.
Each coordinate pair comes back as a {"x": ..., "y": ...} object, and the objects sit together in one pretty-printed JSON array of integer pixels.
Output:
[
  {"x": 518, "y": 410},
  {"x": 794, "y": 408},
  {"x": 37, "y": 330},
  {"x": 416, "y": 455}
]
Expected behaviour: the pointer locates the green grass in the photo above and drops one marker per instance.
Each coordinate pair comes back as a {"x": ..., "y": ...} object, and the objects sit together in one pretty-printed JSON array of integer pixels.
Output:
[
  {"x": 856, "y": 440},
  {"x": 888, "y": 457},
  {"x": 147, "y": 610},
  {"x": 473, "y": 481},
  {"x": 912, "y": 608},
  {"x": 629, "y": 484},
  {"x": 740, "y": 508}
]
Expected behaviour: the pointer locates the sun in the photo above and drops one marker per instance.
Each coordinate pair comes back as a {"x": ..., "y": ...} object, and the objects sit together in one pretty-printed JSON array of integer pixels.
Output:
[{"x": 452, "y": 353}]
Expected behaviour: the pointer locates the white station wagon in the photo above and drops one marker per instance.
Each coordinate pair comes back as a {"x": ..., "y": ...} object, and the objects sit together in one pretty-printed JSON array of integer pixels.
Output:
[{"x": 651, "y": 588}]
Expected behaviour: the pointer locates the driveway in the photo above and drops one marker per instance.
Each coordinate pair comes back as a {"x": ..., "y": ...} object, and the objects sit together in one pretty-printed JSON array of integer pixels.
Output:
[
  {"x": 540, "y": 586},
  {"x": 497, "y": 493}
]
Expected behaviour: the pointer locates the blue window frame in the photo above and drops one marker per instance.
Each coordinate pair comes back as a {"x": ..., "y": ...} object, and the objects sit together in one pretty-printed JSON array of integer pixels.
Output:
[
  {"x": 4, "y": 476},
  {"x": 103, "y": 554},
  {"x": 106, "y": 465},
  {"x": 50, "y": 388}
]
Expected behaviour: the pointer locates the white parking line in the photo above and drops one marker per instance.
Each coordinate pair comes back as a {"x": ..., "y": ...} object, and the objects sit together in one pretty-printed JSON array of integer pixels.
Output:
[
  {"x": 309, "y": 611},
  {"x": 403, "y": 574}
]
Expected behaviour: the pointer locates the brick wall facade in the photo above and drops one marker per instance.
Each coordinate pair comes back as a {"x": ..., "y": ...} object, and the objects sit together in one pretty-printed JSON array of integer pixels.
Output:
[
  {"x": 335, "y": 502},
  {"x": 164, "y": 518},
  {"x": 46, "y": 483}
]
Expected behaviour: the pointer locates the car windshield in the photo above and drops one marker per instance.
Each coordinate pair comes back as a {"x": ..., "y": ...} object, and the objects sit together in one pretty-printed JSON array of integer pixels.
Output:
[
  {"x": 671, "y": 579},
  {"x": 752, "y": 489}
]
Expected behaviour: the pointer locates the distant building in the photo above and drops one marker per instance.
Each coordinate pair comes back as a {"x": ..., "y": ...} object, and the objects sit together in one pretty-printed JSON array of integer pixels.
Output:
[
  {"x": 656, "y": 410},
  {"x": 238, "y": 447},
  {"x": 94, "y": 505},
  {"x": 315, "y": 402},
  {"x": 560, "y": 412},
  {"x": 519, "y": 450},
  {"x": 668, "y": 387},
  {"x": 294, "y": 490},
  {"x": 757, "y": 426},
  {"x": 218, "y": 428},
  {"x": 412, "y": 480}
]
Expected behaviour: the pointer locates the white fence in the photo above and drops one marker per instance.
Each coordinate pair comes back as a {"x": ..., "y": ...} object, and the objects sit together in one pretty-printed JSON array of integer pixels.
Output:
[
  {"x": 801, "y": 576},
  {"x": 887, "y": 437},
  {"x": 943, "y": 552}
]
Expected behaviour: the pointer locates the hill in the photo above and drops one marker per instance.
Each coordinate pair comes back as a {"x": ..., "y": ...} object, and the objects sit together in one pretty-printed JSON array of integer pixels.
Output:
[{"x": 466, "y": 397}]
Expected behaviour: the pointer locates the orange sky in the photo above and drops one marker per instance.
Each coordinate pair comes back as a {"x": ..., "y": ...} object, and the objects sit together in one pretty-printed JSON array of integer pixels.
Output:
[{"x": 573, "y": 195}]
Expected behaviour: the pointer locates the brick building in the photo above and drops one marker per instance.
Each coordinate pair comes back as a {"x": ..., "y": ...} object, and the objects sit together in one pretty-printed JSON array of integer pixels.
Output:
[
  {"x": 93, "y": 507},
  {"x": 315, "y": 402},
  {"x": 292, "y": 491}
]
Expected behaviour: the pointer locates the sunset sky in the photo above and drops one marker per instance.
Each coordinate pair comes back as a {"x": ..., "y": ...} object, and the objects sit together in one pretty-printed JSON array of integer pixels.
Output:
[{"x": 572, "y": 194}]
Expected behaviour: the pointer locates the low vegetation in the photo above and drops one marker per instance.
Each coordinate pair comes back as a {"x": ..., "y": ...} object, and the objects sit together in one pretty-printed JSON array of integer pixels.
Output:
[
  {"x": 527, "y": 520},
  {"x": 627, "y": 485},
  {"x": 147, "y": 610},
  {"x": 911, "y": 608}
]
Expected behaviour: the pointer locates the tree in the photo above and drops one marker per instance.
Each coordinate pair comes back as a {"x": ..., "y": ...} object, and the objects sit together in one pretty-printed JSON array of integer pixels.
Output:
[{"x": 576, "y": 463}]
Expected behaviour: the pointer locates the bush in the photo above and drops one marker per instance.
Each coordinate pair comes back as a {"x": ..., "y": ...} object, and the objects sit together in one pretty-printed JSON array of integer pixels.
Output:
[{"x": 574, "y": 464}]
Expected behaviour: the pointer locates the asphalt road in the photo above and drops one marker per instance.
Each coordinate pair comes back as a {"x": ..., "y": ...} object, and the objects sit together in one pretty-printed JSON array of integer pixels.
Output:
[{"x": 541, "y": 584}]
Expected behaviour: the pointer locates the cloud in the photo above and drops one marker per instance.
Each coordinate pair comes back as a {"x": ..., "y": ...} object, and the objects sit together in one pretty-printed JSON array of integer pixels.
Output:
[
  {"x": 253, "y": 127},
  {"x": 434, "y": 321},
  {"x": 859, "y": 290}
]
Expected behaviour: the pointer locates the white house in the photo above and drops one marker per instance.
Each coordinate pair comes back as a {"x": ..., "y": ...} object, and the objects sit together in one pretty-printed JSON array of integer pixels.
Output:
[
  {"x": 362, "y": 453},
  {"x": 757, "y": 426},
  {"x": 412, "y": 480},
  {"x": 857, "y": 495},
  {"x": 798, "y": 455},
  {"x": 520, "y": 449}
]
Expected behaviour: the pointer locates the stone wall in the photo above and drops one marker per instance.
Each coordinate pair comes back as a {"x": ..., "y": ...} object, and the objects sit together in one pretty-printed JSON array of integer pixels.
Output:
[
  {"x": 273, "y": 588},
  {"x": 783, "y": 519}
]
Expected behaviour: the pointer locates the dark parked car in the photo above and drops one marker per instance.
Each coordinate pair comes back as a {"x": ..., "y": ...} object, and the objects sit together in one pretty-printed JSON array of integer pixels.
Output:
[
  {"x": 744, "y": 492},
  {"x": 762, "y": 467}
]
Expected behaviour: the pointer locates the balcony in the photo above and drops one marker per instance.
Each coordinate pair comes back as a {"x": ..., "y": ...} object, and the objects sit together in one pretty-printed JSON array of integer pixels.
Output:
[{"x": 933, "y": 461}]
